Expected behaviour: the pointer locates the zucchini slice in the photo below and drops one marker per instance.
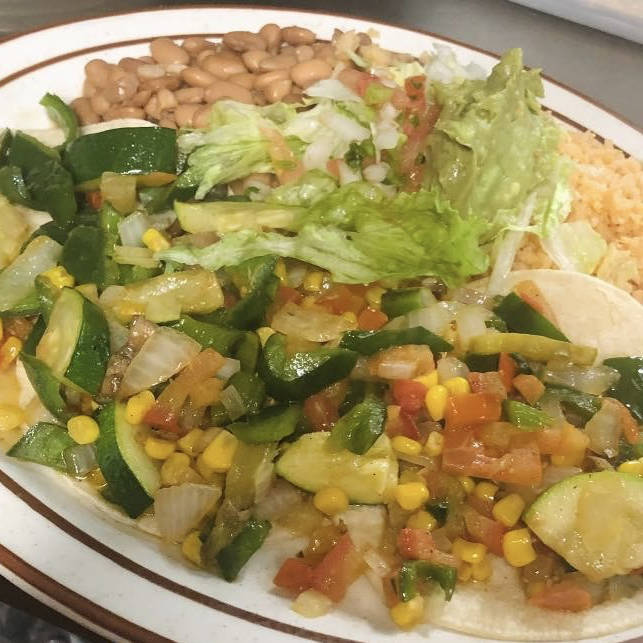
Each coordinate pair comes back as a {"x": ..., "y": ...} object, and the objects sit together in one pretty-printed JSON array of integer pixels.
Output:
[
  {"x": 132, "y": 477},
  {"x": 75, "y": 345}
]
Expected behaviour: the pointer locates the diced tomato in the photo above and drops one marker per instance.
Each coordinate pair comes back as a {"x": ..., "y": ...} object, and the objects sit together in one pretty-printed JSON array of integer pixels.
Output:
[
  {"x": 94, "y": 199},
  {"x": 497, "y": 435},
  {"x": 565, "y": 596},
  {"x": 628, "y": 423},
  {"x": 295, "y": 575},
  {"x": 490, "y": 383},
  {"x": 342, "y": 299},
  {"x": 484, "y": 530},
  {"x": 286, "y": 165},
  {"x": 416, "y": 544},
  {"x": 321, "y": 411},
  {"x": 286, "y": 294},
  {"x": 163, "y": 418},
  {"x": 507, "y": 370},
  {"x": 398, "y": 422},
  {"x": 337, "y": 570},
  {"x": 332, "y": 166},
  {"x": 470, "y": 409},
  {"x": 371, "y": 319},
  {"x": 409, "y": 394},
  {"x": 529, "y": 386}
]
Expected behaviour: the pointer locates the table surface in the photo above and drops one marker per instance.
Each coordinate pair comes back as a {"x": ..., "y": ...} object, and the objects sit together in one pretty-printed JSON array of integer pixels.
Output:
[{"x": 602, "y": 66}]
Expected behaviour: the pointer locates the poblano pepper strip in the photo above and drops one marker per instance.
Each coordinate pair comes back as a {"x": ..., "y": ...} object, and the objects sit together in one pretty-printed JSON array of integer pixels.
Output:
[
  {"x": 247, "y": 352},
  {"x": 629, "y": 389},
  {"x": 525, "y": 417},
  {"x": 584, "y": 405},
  {"x": 12, "y": 185},
  {"x": 62, "y": 115},
  {"x": 252, "y": 392},
  {"x": 44, "y": 443},
  {"x": 414, "y": 574},
  {"x": 361, "y": 426},
  {"x": 521, "y": 317},
  {"x": 404, "y": 300},
  {"x": 304, "y": 373},
  {"x": 368, "y": 342},
  {"x": 272, "y": 424},
  {"x": 223, "y": 339},
  {"x": 234, "y": 556}
]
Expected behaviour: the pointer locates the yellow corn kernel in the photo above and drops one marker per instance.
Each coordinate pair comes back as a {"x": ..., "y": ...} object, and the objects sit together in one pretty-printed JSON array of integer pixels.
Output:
[
  {"x": 374, "y": 296},
  {"x": 313, "y": 281},
  {"x": 191, "y": 442},
  {"x": 159, "y": 449},
  {"x": 465, "y": 572},
  {"x": 207, "y": 473},
  {"x": 350, "y": 317},
  {"x": 83, "y": 429},
  {"x": 428, "y": 380},
  {"x": 11, "y": 417},
  {"x": 457, "y": 385},
  {"x": 407, "y": 615},
  {"x": 485, "y": 490},
  {"x": 434, "y": 444},
  {"x": 220, "y": 452},
  {"x": 138, "y": 405},
  {"x": 509, "y": 509},
  {"x": 469, "y": 552},
  {"x": 191, "y": 548},
  {"x": 482, "y": 571},
  {"x": 175, "y": 468},
  {"x": 535, "y": 587},
  {"x": 9, "y": 351},
  {"x": 517, "y": 548},
  {"x": 406, "y": 446},
  {"x": 59, "y": 277},
  {"x": 264, "y": 333},
  {"x": 467, "y": 483},
  {"x": 411, "y": 495},
  {"x": 422, "y": 520},
  {"x": 154, "y": 240},
  {"x": 331, "y": 501},
  {"x": 435, "y": 401},
  {"x": 280, "y": 270},
  {"x": 631, "y": 466}
]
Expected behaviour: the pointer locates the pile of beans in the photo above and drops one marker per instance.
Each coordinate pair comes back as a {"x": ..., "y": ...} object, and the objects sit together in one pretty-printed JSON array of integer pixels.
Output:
[{"x": 176, "y": 85}]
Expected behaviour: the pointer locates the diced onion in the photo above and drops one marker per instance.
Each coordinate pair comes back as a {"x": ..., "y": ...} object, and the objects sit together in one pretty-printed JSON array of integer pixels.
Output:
[
  {"x": 376, "y": 173},
  {"x": 552, "y": 475},
  {"x": 162, "y": 355},
  {"x": 343, "y": 126},
  {"x": 449, "y": 367},
  {"x": 604, "y": 429},
  {"x": 232, "y": 402},
  {"x": 347, "y": 174},
  {"x": 281, "y": 499},
  {"x": 229, "y": 368},
  {"x": 318, "y": 152},
  {"x": 365, "y": 525},
  {"x": 419, "y": 460},
  {"x": 295, "y": 275},
  {"x": 333, "y": 89},
  {"x": 135, "y": 256},
  {"x": 180, "y": 508},
  {"x": 80, "y": 459},
  {"x": 162, "y": 220},
  {"x": 435, "y": 318},
  {"x": 132, "y": 228},
  {"x": 377, "y": 563},
  {"x": 311, "y": 324},
  {"x": 470, "y": 322},
  {"x": 312, "y": 604},
  {"x": 594, "y": 380},
  {"x": 396, "y": 370},
  {"x": 118, "y": 333}
]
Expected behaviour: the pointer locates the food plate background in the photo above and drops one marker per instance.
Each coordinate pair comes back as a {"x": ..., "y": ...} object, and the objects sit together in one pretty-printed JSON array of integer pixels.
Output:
[{"x": 56, "y": 541}]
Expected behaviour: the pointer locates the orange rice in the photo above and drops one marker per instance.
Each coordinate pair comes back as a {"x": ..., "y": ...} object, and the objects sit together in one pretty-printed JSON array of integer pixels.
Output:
[{"x": 608, "y": 193}]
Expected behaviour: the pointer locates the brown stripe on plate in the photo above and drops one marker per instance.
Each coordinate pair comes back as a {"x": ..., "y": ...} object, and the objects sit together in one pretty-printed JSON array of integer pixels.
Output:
[
  {"x": 75, "y": 602},
  {"x": 191, "y": 7},
  {"x": 126, "y": 563}
]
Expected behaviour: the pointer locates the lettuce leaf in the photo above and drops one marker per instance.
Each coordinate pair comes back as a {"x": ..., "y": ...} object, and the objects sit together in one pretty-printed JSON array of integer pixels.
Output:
[
  {"x": 358, "y": 235},
  {"x": 493, "y": 147}
]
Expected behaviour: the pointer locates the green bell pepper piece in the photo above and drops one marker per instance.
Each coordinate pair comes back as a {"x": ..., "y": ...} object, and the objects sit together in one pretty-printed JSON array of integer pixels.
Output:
[
  {"x": 12, "y": 185},
  {"x": 404, "y": 300},
  {"x": 44, "y": 443},
  {"x": 35, "y": 336},
  {"x": 251, "y": 390},
  {"x": 62, "y": 115},
  {"x": 368, "y": 342},
  {"x": 304, "y": 373},
  {"x": 52, "y": 230},
  {"x": 272, "y": 424},
  {"x": 629, "y": 389},
  {"x": 52, "y": 189},
  {"x": 414, "y": 574},
  {"x": 481, "y": 363},
  {"x": 520, "y": 317},
  {"x": 439, "y": 509},
  {"x": 221, "y": 338},
  {"x": 235, "y": 555},
  {"x": 584, "y": 405},
  {"x": 27, "y": 152},
  {"x": 247, "y": 352},
  {"x": 361, "y": 426},
  {"x": 524, "y": 416}
]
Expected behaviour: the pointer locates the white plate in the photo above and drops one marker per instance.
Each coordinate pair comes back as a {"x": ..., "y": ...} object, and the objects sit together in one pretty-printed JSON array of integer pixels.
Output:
[{"x": 55, "y": 542}]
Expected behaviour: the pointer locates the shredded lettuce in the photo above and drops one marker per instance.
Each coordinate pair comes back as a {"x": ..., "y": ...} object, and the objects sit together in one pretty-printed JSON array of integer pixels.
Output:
[
  {"x": 493, "y": 147},
  {"x": 575, "y": 246},
  {"x": 358, "y": 235}
]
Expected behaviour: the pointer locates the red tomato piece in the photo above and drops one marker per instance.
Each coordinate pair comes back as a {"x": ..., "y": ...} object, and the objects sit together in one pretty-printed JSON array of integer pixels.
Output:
[
  {"x": 371, "y": 319},
  {"x": 337, "y": 570},
  {"x": 321, "y": 411},
  {"x": 409, "y": 394},
  {"x": 342, "y": 299},
  {"x": 565, "y": 596},
  {"x": 416, "y": 544},
  {"x": 399, "y": 422},
  {"x": 507, "y": 370},
  {"x": 295, "y": 575},
  {"x": 484, "y": 530},
  {"x": 94, "y": 199},
  {"x": 162, "y": 418},
  {"x": 470, "y": 409},
  {"x": 286, "y": 294},
  {"x": 490, "y": 383}
]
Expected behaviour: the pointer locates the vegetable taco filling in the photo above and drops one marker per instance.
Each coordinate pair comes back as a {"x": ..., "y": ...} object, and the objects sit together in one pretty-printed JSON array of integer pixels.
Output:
[{"x": 293, "y": 304}]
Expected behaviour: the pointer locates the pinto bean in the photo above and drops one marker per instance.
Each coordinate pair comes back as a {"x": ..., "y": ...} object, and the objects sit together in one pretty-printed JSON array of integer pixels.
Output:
[
  {"x": 271, "y": 33},
  {"x": 197, "y": 77},
  {"x": 223, "y": 65},
  {"x": 184, "y": 114},
  {"x": 280, "y": 61},
  {"x": 122, "y": 86},
  {"x": 194, "y": 44},
  {"x": 166, "y": 99},
  {"x": 189, "y": 95},
  {"x": 130, "y": 64},
  {"x": 201, "y": 117},
  {"x": 128, "y": 111},
  {"x": 83, "y": 108},
  {"x": 88, "y": 89},
  {"x": 225, "y": 89},
  {"x": 99, "y": 103},
  {"x": 166, "y": 52},
  {"x": 304, "y": 53},
  {"x": 245, "y": 80},
  {"x": 97, "y": 72},
  {"x": 252, "y": 59},
  {"x": 243, "y": 41},
  {"x": 277, "y": 90},
  {"x": 309, "y": 72},
  {"x": 263, "y": 80},
  {"x": 140, "y": 98},
  {"x": 296, "y": 36},
  {"x": 148, "y": 72}
]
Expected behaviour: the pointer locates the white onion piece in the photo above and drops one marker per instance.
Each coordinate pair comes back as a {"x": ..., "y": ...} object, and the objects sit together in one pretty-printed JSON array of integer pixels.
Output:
[
  {"x": 419, "y": 460},
  {"x": 132, "y": 228},
  {"x": 80, "y": 459},
  {"x": 435, "y": 318},
  {"x": 552, "y": 475},
  {"x": 346, "y": 174},
  {"x": 281, "y": 499},
  {"x": 263, "y": 479},
  {"x": 377, "y": 563},
  {"x": 318, "y": 152},
  {"x": 344, "y": 127},
  {"x": 135, "y": 256},
  {"x": 229, "y": 368},
  {"x": 232, "y": 402},
  {"x": 164, "y": 353},
  {"x": 162, "y": 220},
  {"x": 312, "y": 604},
  {"x": 365, "y": 525},
  {"x": 550, "y": 405},
  {"x": 470, "y": 322},
  {"x": 594, "y": 380},
  {"x": 311, "y": 324},
  {"x": 333, "y": 89},
  {"x": 604, "y": 429},
  {"x": 180, "y": 508},
  {"x": 396, "y": 370},
  {"x": 361, "y": 371},
  {"x": 118, "y": 333},
  {"x": 295, "y": 275},
  {"x": 449, "y": 367},
  {"x": 376, "y": 173}
]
